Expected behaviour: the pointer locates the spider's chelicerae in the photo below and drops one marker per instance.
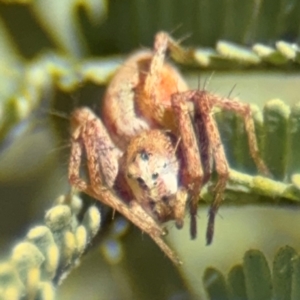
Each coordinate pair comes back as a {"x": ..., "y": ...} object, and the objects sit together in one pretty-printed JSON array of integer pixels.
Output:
[{"x": 153, "y": 150}]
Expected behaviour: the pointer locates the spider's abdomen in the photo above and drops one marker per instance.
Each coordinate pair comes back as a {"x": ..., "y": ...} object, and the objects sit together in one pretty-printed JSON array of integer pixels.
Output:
[
  {"x": 139, "y": 98},
  {"x": 120, "y": 115}
]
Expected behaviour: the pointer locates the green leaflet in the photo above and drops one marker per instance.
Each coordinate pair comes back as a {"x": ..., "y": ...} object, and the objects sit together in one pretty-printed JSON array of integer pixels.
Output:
[
  {"x": 254, "y": 279},
  {"x": 48, "y": 252}
]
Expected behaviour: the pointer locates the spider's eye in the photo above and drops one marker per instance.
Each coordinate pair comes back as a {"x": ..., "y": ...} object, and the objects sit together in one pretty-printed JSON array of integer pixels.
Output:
[
  {"x": 144, "y": 155},
  {"x": 140, "y": 180},
  {"x": 154, "y": 176},
  {"x": 165, "y": 199},
  {"x": 152, "y": 204},
  {"x": 142, "y": 183}
]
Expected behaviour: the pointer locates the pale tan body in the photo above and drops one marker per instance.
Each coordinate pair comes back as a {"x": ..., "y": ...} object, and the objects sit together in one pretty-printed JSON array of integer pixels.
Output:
[
  {"x": 154, "y": 153},
  {"x": 125, "y": 113}
]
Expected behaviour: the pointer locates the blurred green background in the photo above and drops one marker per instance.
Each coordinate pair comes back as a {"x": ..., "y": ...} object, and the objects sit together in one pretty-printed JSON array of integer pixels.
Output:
[{"x": 57, "y": 36}]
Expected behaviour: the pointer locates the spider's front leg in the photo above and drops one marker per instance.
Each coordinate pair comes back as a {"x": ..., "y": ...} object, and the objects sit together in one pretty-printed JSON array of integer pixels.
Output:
[
  {"x": 197, "y": 150},
  {"x": 203, "y": 103},
  {"x": 192, "y": 175},
  {"x": 90, "y": 136}
]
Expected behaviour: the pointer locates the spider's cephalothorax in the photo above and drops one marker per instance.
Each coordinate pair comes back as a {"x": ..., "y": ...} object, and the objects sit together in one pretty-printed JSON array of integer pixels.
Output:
[
  {"x": 155, "y": 148},
  {"x": 151, "y": 168}
]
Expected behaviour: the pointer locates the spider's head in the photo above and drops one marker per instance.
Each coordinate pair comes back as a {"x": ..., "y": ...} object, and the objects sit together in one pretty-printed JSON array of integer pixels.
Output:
[{"x": 152, "y": 170}]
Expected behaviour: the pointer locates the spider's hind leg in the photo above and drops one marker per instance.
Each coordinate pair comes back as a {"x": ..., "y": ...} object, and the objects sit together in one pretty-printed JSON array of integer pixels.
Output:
[
  {"x": 244, "y": 110},
  {"x": 161, "y": 80}
]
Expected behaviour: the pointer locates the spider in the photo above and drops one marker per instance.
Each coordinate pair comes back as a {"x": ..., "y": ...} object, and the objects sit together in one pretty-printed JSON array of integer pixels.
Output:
[{"x": 155, "y": 146}]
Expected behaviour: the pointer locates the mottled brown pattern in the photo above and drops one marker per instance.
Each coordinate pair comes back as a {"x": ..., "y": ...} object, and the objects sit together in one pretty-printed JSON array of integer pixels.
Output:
[{"x": 156, "y": 147}]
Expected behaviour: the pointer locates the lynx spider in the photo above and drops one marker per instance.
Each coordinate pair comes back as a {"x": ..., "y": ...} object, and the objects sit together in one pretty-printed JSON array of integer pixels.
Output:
[{"x": 153, "y": 150}]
